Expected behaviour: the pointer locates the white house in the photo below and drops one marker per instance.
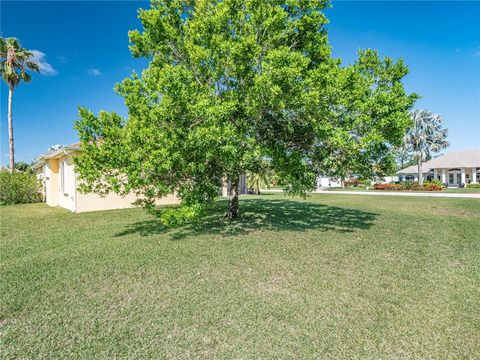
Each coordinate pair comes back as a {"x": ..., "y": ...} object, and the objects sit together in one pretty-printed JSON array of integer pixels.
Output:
[
  {"x": 326, "y": 182},
  {"x": 453, "y": 169}
]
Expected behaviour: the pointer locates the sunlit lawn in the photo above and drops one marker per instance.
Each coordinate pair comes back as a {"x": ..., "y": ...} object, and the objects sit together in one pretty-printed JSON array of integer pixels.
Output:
[{"x": 330, "y": 276}]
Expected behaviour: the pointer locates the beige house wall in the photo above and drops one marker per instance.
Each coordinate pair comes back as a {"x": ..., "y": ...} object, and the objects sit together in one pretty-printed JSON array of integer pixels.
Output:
[
  {"x": 70, "y": 198},
  {"x": 94, "y": 202},
  {"x": 52, "y": 182},
  {"x": 67, "y": 195}
]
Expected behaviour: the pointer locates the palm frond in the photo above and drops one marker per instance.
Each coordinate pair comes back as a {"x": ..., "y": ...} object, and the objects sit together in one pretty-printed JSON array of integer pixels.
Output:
[
  {"x": 14, "y": 62},
  {"x": 427, "y": 136}
]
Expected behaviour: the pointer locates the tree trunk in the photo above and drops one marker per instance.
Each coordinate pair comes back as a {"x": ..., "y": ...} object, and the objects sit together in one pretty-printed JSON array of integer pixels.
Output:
[
  {"x": 10, "y": 129},
  {"x": 233, "y": 211},
  {"x": 420, "y": 172}
]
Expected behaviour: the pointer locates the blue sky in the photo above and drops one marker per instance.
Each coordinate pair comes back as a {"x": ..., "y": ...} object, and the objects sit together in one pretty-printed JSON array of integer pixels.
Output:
[{"x": 83, "y": 47}]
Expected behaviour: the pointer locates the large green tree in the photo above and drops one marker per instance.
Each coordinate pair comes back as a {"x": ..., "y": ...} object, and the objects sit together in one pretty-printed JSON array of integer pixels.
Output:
[
  {"x": 14, "y": 63},
  {"x": 231, "y": 83}
]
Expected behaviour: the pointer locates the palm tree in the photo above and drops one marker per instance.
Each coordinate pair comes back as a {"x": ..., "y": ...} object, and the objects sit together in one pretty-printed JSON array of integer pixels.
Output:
[
  {"x": 262, "y": 175},
  {"x": 256, "y": 180},
  {"x": 426, "y": 137},
  {"x": 14, "y": 60}
]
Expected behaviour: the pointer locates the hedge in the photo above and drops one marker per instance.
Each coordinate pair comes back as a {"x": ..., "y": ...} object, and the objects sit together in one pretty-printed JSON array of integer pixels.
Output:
[
  {"x": 19, "y": 188},
  {"x": 408, "y": 186}
]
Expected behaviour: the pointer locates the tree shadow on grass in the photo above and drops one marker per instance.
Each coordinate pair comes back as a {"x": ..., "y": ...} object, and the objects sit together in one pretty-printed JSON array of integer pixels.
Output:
[{"x": 262, "y": 215}]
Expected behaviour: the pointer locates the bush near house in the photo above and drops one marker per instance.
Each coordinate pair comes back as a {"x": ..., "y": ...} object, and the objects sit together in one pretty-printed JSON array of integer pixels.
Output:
[
  {"x": 473, "y": 186},
  {"x": 436, "y": 182},
  {"x": 432, "y": 187},
  {"x": 19, "y": 188},
  {"x": 351, "y": 182},
  {"x": 395, "y": 187},
  {"x": 410, "y": 186}
]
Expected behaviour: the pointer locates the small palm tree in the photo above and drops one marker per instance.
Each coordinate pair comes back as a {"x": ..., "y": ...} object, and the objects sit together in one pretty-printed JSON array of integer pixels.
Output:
[
  {"x": 255, "y": 181},
  {"x": 261, "y": 176},
  {"x": 426, "y": 137},
  {"x": 14, "y": 60}
]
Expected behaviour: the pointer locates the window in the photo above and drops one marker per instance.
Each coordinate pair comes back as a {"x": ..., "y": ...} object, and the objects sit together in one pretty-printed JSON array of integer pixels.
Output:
[
  {"x": 409, "y": 178},
  {"x": 62, "y": 177}
]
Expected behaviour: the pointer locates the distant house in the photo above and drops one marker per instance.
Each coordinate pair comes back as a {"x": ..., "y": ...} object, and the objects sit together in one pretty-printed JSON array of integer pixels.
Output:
[
  {"x": 326, "y": 182},
  {"x": 453, "y": 169}
]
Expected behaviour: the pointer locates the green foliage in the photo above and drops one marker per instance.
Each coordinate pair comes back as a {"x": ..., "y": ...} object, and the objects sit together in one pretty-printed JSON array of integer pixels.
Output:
[
  {"x": 24, "y": 166},
  {"x": 183, "y": 215},
  {"x": 403, "y": 155},
  {"x": 408, "y": 185},
  {"x": 261, "y": 176},
  {"x": 435, "y": 181},
  {"x": 473, "y": 186},
  {"x": 232, "y": 83},
  {"x": 433, "y": 185},
  {"x": 19, "y": 187}
]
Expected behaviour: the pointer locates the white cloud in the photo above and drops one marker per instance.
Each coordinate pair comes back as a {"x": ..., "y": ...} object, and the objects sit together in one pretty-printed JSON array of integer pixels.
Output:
[
  {"x": 63, "y": 59},
  {"x": 45, "y": 68},
  {"x": 94, "y": 72}
]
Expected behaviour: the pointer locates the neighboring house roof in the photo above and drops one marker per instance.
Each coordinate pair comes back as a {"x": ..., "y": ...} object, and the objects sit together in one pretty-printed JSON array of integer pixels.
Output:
[
  {"x": 54, "y": 154},
  {"x": 411, "y": 170},
  {"x": 457, "y": 159}
]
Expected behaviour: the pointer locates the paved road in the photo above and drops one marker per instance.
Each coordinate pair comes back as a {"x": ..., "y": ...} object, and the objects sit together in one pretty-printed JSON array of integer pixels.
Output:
[{"x": 391, "y": 193}]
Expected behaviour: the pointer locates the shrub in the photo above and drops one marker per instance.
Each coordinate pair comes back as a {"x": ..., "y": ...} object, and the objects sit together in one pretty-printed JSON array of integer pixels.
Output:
[
  {"x": 427, "y": 187},
  {"x": 473, "y": 186},
  {"x": 394, "y": 187},
  {"x": 19, "y": 188},
  {"x": 415, "y": 187},
  {"x": 408, "y": 185},
  {"x": 432, "y": 187},
  {"x": 436, "y": 182},
  {"x": 351, "y": 182}
]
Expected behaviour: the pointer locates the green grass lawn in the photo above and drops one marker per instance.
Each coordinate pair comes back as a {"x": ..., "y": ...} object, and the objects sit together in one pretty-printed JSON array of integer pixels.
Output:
[
  {"x": 462, "y": 190},
  {"x": 333, "y": 277}
]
